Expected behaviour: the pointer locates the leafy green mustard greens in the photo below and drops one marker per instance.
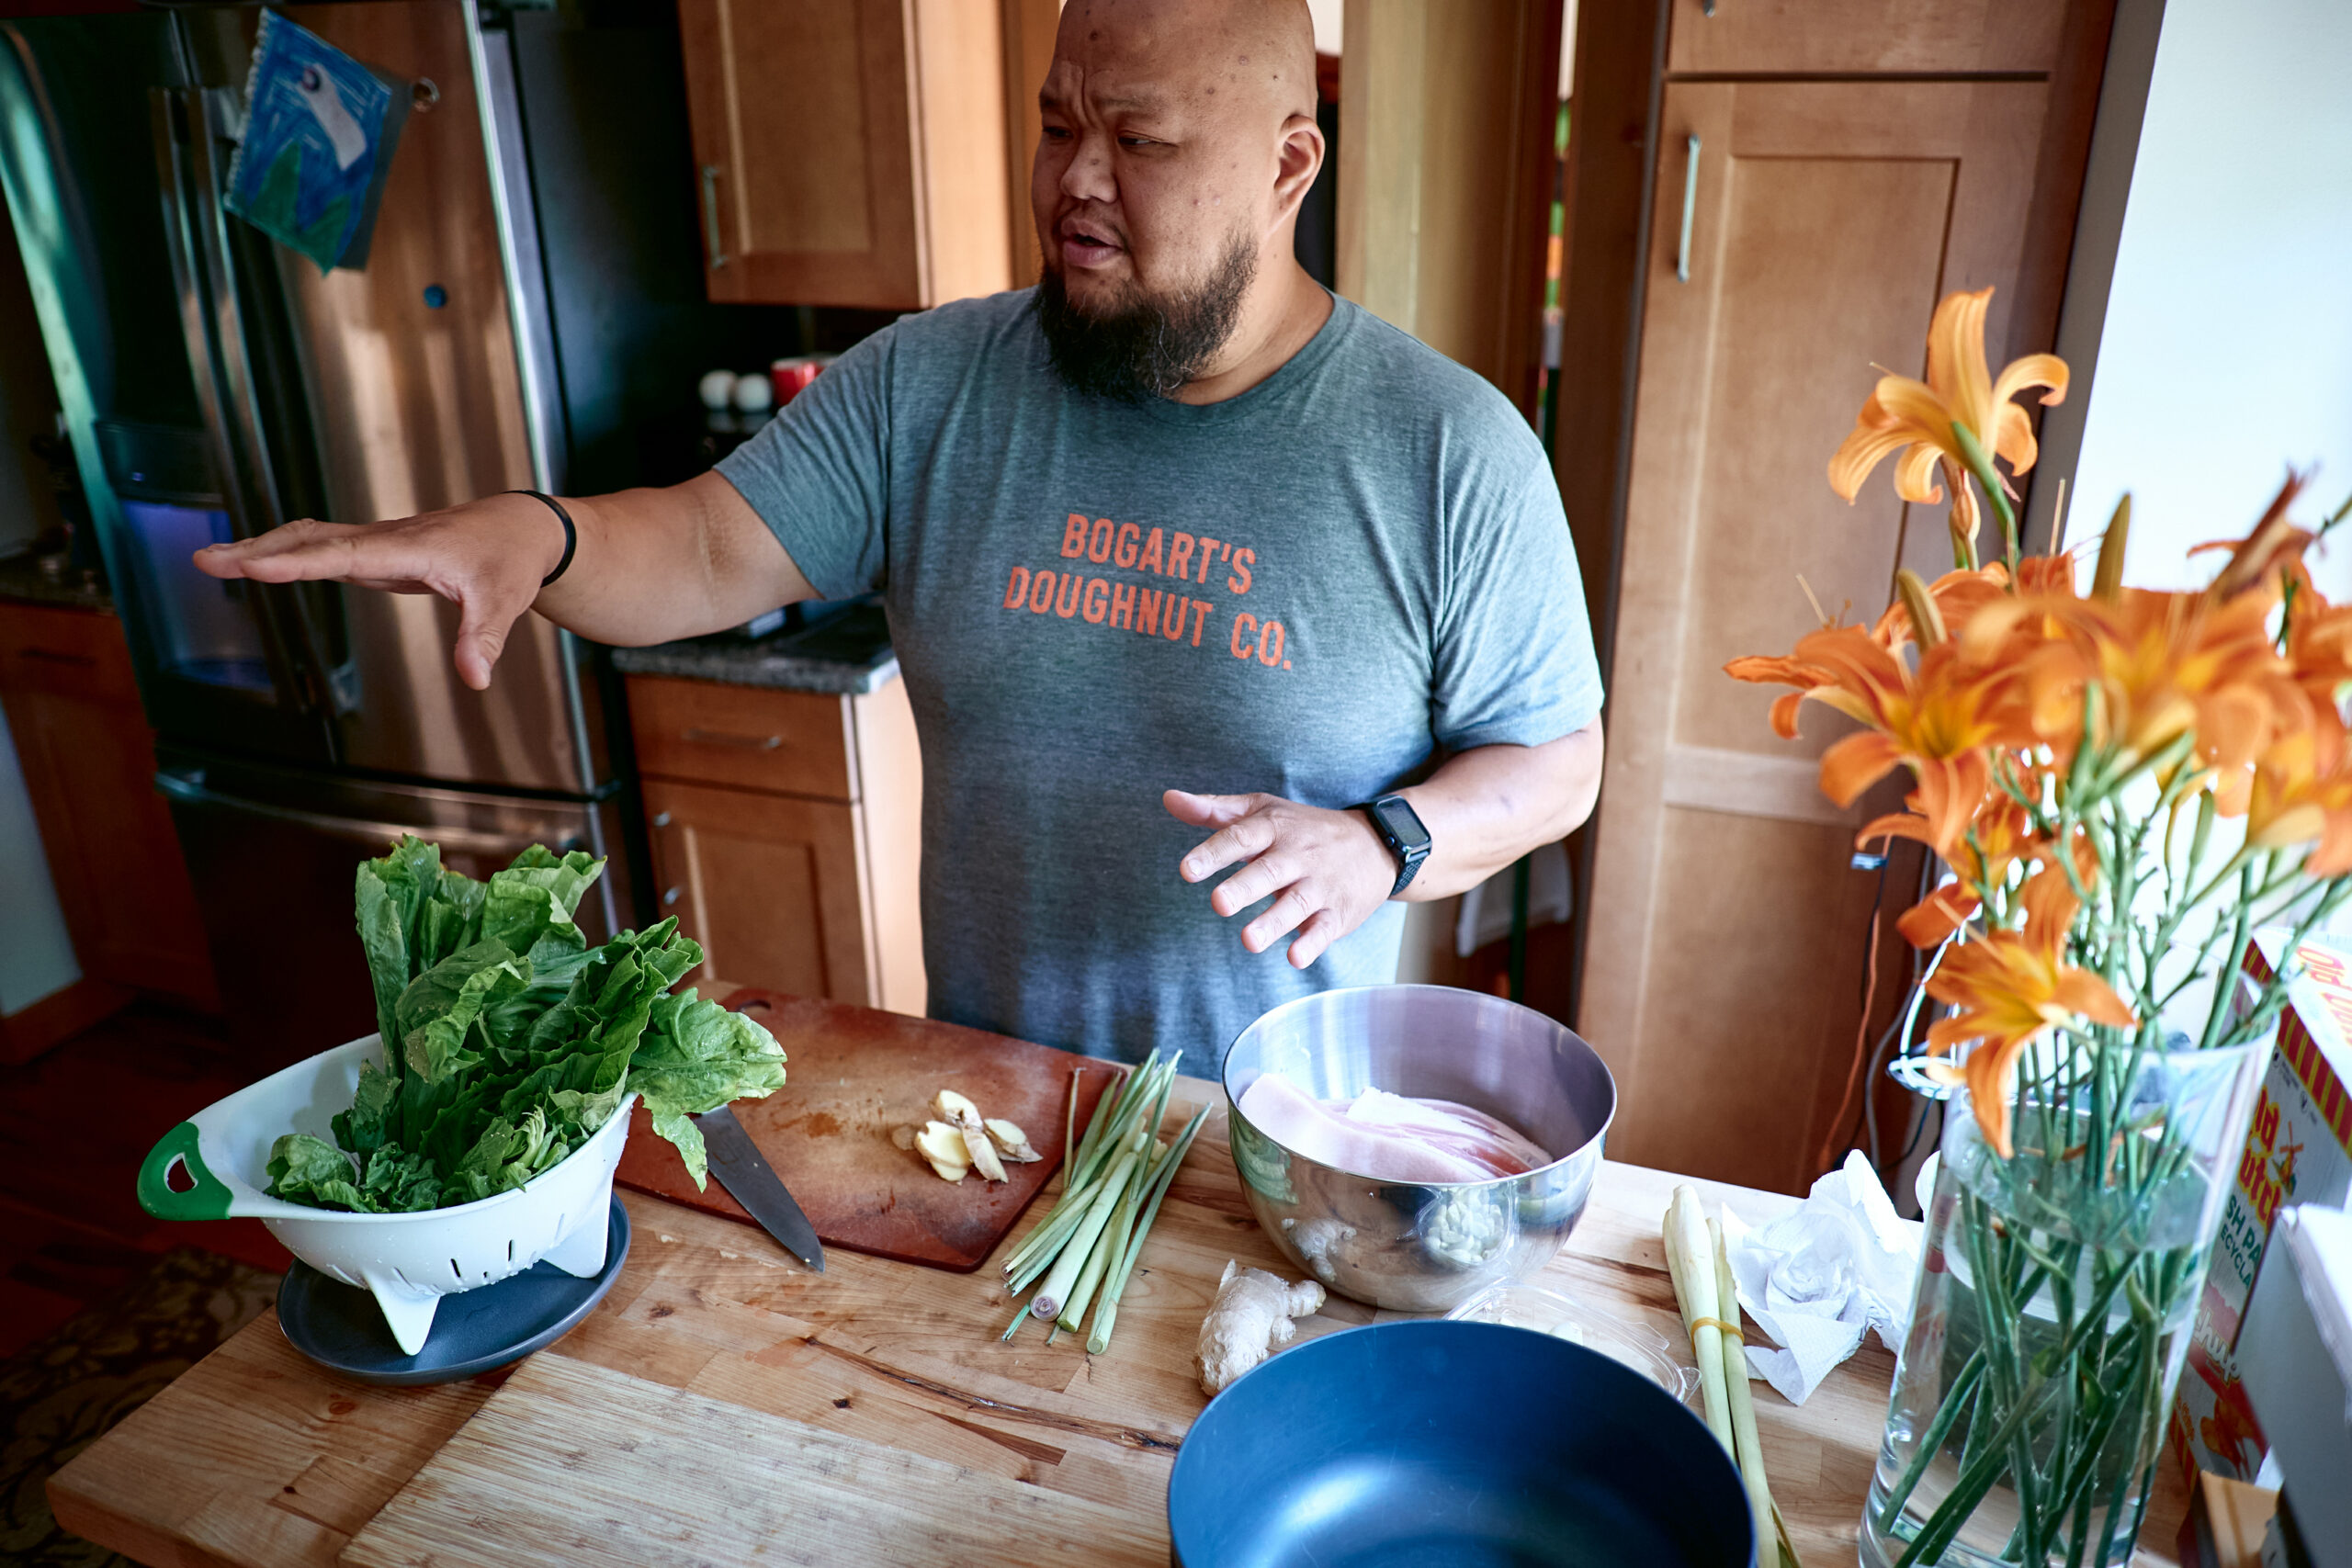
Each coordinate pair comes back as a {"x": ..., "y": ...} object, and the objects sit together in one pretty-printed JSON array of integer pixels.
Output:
[{"x": 508, "y": 1041}]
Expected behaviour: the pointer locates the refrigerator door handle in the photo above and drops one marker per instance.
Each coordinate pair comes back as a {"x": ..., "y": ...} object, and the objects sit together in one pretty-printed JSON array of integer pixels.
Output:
[
  {"x": 188, "y": 123},
  {"x": 179, "y": 123},
  {"x": 189, "y": 789}
]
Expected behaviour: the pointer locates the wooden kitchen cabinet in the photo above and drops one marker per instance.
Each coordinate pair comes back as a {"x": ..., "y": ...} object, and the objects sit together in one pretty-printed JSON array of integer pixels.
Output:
[
  {"x": 785, "y": 830},
  {"x": 1819, "y": 221},
  {"x": 851, "y": 152},
  {"x": 89, "y": 766}
]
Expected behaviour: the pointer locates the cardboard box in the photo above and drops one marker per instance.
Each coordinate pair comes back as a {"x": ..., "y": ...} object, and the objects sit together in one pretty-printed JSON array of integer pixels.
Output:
[
  {"x": 2298, "y": 1150},
  {"x": 2296, "y": 1355}
]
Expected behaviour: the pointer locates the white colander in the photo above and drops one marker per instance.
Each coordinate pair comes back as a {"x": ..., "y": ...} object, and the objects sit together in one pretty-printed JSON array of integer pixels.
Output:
[{"x": 408, "y": 1262}]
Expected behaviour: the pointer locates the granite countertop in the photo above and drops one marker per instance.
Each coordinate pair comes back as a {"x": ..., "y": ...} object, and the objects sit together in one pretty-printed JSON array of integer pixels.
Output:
[
  {"x": 847, "y": 652},
  {"x": 22, "y": 577}
]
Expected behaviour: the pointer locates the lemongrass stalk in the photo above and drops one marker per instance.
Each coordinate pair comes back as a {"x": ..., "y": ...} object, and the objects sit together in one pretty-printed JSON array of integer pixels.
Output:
[
  {"x": 1688, "y": 1260},
  {"x": 1070, "y": 1126},
  {"x": 1109, "y": 1107},
  {"x": 1743, "y": 1404},
  {"x": 1053, "y": 1231},
  {"x": 1119, "y": 1126},
  {"x": 1047, "y": 1302},
  {"x": 1107, "y": 1313},
  {"x": 1113, "y": 1241},
  {"x": 1079, "y": 1179},
  {"x": 1020, "y": 1316}
]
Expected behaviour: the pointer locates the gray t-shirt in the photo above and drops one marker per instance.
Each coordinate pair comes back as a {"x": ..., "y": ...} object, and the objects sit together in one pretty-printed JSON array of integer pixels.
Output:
[{"x": 1307, "y": 590}]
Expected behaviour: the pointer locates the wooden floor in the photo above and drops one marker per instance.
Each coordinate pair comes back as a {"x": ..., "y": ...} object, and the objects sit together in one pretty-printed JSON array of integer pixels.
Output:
[{"x": 74, "y": 1124}]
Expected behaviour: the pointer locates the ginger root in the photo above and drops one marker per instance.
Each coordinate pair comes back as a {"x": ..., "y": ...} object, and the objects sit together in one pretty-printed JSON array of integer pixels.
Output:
[{"x": 1252, "y": 1314}]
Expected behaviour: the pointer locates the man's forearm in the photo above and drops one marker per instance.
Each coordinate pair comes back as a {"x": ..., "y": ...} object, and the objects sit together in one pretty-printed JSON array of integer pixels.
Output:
[
  {"x": 1487, "y": 806},
  {"x": 652, "y": 565}
]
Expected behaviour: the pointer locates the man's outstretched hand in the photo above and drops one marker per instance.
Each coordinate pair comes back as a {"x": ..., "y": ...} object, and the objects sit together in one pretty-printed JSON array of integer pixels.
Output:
[
  {"x": 1327, "y": 871},
  {"x": 487, "y": 561}
]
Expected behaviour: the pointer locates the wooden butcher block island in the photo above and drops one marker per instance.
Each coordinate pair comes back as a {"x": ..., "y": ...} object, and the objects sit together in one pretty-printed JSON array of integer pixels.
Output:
[{"x": 724, "y": 1405}]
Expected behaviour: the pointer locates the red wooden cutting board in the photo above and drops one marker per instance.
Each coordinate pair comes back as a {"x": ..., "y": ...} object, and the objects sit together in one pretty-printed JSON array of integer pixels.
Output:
[{"x": 852, "y": 1074}]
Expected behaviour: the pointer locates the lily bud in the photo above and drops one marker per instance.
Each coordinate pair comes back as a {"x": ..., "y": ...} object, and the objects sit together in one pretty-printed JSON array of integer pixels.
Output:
[
  {"x": 2107, "y": 584},
  {"x": 1927, "y": 619}
]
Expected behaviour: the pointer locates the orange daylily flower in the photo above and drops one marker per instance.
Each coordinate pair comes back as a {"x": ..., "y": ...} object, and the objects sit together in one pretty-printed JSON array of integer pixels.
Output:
[
  {"x": 2273, "y": 544},
  {"x": 1915, "y": 418},
  {"x": 2319, "y": 647},
  {"x": 1997, "y": 837},
  {"x": 2165, "y": 663},
  {"x": 1958, "y": 596},
  {"x": 2011, "y": 988},
  {"x": 2302, "y": 790},
  {"x": 1936, "y": 720}
]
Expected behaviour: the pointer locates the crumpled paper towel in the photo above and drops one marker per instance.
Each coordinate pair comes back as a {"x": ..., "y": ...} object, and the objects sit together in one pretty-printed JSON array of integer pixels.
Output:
[{"x": 1821, "y": 1276}]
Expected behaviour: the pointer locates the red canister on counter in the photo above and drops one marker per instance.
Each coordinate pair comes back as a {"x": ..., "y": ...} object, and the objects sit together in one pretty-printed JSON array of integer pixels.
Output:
[{"x": 791, "y": 376}]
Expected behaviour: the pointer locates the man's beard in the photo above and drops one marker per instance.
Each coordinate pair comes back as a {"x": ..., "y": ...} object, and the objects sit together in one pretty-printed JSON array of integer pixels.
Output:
[{"x": 1144, "y": 346}]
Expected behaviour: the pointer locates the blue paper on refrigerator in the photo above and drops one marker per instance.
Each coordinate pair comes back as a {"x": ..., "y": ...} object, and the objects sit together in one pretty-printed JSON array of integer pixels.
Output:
[{"x": 319, "y": 129}]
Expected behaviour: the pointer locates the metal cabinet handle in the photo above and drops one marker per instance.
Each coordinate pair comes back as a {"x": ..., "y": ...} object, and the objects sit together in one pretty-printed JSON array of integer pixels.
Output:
[
  {"x": 660, "y": 819},
  {"x": 49, "y": 655},
  {"x": 1689, "y": 211},
  {"x": 710, "y": 216},
  {"x": 189, "y": 789},
  {"x": 670, "y": 896},
  {"x": 748, "y": 742}
]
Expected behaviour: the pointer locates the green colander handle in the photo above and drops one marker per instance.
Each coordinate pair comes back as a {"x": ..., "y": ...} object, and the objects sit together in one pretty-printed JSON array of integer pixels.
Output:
[{"x": 207, "y": 1200}]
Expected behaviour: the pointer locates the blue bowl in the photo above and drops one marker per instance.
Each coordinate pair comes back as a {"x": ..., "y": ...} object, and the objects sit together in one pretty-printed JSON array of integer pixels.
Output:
[{"x": 1417, "y": 1444}]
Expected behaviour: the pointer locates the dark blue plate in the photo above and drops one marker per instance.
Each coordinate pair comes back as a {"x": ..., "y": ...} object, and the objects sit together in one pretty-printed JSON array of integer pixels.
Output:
[
  {"x": 340, "y": 1325},
  {"x": 1465, "y": 1445}
]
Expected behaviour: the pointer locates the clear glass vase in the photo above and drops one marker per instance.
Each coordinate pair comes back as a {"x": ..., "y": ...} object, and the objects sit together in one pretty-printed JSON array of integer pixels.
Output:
[{"x": 2053, "y": 1311}]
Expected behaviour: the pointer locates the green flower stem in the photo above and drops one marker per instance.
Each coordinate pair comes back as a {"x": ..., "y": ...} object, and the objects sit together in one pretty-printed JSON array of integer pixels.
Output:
[
  {"x": 1978, "y": 1474},
  {"x": 1980, "y": 463},
  {"x": 1956, "y": 1399}
]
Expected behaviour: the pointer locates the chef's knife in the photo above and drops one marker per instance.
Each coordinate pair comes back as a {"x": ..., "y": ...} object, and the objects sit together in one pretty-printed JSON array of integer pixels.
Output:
[{"x": 746, "y": 1174}]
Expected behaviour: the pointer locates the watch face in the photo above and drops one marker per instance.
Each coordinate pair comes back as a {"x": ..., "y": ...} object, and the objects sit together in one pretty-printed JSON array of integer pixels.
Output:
[{"x": 1397, "y": 820}]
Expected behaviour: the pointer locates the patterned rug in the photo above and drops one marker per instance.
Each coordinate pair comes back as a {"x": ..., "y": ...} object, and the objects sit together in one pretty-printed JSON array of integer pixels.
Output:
[{"x": 58, "y": 1395}]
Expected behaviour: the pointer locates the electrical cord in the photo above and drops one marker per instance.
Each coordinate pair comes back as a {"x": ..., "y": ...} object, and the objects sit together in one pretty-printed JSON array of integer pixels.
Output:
[
  {"x": 1862, "y": 1031},
  {"x": 1905, "y": 1021}
]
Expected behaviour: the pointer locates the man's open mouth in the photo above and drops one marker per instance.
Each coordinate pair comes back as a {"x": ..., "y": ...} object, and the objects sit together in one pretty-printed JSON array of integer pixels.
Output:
[{"x": 1088, "y": 244}]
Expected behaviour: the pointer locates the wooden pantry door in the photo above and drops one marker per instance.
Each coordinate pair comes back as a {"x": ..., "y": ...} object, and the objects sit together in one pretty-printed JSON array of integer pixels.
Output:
[{"x": 1724, "y": 970}]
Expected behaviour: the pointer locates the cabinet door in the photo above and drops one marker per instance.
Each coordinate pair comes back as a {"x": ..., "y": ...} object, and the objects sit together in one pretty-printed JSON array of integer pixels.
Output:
[
  {"x": 89, "y": 765},
  {"x": 849, "y": 151},
  {"x": 770, "y": 886},
  {"x": 1724, "y": 964},
  {"x": 1822, "y": 37}
]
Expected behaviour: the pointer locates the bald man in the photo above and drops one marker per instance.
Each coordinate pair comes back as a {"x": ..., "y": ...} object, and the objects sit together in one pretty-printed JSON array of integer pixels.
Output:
[{"x": 1189, "y": 565}]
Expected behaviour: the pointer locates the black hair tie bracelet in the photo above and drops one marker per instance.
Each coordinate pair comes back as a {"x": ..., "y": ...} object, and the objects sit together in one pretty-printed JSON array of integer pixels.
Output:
[{"x": 570, "y": 533}]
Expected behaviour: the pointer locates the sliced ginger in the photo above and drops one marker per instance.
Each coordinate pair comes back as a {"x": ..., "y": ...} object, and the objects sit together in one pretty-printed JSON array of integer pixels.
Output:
[{"x": 958, "y": 1140}]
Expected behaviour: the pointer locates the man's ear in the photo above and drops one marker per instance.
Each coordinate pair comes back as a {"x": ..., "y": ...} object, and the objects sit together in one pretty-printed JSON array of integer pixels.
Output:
[{"x": 1298, "y": 160}]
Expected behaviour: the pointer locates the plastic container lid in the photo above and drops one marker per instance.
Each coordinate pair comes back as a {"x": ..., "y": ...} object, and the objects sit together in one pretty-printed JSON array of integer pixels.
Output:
[{"x": 1615, "y": 1333}]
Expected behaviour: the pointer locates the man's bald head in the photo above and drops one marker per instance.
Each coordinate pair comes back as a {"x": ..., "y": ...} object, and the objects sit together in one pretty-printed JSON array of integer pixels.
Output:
[
  {"x": 1178, "y": 139},
  {"x": 1252, "y": 58}
]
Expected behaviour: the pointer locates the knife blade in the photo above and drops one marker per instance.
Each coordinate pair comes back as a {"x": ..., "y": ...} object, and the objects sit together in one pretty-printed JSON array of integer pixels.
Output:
[{"x": 748, "y": 1177}]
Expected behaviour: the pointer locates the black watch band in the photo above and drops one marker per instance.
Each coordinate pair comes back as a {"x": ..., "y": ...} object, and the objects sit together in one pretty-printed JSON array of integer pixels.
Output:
[
  {"x": 1400, "y": 827},
  {"x": 570, "y": 533}
]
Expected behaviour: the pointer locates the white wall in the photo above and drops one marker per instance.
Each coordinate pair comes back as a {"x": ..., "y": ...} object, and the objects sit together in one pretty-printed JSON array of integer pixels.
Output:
[
  {"x": 2227, "y": 348},
  {"x": 36, "y": 955}
]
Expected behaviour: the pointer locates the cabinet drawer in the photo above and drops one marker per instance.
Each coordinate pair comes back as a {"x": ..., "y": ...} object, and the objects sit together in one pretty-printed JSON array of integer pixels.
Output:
[
  {"x": 793, "y": 742},
  {"x": 73, "y": 653}
]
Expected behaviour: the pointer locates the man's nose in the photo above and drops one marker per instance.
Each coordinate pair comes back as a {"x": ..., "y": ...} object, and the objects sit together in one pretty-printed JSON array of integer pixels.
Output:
[{"x": 1088, "y": 175}]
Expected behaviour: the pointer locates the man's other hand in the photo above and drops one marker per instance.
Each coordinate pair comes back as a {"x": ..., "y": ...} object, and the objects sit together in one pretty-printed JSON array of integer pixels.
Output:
[
  {"x": 1327, "y": 871},
  {"x": 487, "y": 557}
]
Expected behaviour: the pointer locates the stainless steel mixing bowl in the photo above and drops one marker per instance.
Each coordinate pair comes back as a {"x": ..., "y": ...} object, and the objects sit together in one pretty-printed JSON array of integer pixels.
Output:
[{"x": 1421, "y": 1246}]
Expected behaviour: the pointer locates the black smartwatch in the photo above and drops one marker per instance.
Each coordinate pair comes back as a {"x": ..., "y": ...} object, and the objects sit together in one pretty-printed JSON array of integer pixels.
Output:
[{"x": 1400, "y": 827}]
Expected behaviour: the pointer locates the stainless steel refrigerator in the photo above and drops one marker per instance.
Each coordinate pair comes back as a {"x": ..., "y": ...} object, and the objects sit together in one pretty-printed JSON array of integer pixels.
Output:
[{"x": 214, "y": 385}]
